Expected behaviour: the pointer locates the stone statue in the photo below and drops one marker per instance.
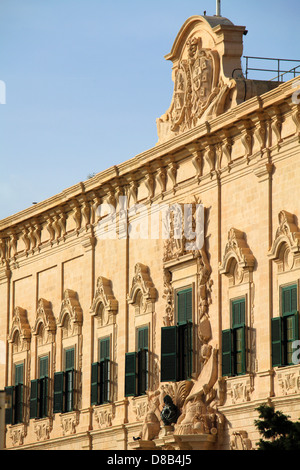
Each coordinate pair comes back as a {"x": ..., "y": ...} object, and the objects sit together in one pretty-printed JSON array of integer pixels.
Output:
[{"x": 170, "y": 412}]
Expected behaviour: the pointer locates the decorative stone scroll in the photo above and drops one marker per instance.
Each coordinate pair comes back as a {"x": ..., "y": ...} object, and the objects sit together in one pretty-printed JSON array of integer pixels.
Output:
[
  {"x": 104, "y": 304},
  {"x": 238, "y": 260},
  {"x": 285, "y": 250}
]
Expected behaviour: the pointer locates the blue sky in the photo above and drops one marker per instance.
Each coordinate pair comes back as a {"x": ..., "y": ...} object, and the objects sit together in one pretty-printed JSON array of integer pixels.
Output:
[{"x": 86, "y": 80}]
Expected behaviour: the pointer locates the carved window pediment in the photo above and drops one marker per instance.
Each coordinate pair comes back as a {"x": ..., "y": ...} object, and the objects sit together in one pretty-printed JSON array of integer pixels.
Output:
[
  {"x": 104, "y": 304},
  {"x": 45, "y": 317},
  {"x": 20, "y": 327},
  {"x": 238, "y": 259},
  {"x": 142, "y": 288},
  {"x": 285, "y": 249},
  {"x": 71, "y": 309}
]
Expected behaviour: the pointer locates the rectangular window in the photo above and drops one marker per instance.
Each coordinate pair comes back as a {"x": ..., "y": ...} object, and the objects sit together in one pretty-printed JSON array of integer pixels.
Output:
[
  {"x": 143, "y": 360},
  {"x": 234, "y": 342},
  {"x": 177, "y": 341},
  {"x": 64, "y": 384},
  {"x": 19, "y": 392},
  {"x": 14, "y": 397},
  {"x": 101, "y": 371},
  {"x": 39, "y": 391},
  {"x": 70, "y": 378},
  {"x": 285, "y": 329},
  {"x": 137, "y": 366}
]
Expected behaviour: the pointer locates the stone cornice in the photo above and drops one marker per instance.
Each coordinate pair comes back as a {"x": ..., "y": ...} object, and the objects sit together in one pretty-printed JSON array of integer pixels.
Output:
[{"x": 168, "y": 153}]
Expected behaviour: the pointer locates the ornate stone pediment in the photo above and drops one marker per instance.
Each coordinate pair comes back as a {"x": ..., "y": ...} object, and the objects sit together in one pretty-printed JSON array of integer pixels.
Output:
[
  {"x": 238, "y": 258},
  {"x": 104, "y": 303},
  {"x": 203, "y": 65},
  {"x": 21, "y": 326},
  {"x": 44, "y": 316},
  {"x": 70, "y": 306},
  {"x": 142, "y": 283},
  {"x": 285, "y": 249}
]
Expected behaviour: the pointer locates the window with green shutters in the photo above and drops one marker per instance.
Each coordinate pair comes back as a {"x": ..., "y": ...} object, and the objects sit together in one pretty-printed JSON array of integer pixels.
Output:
[
  {"x": 19, "y": 393},
  {"x": 14, "y": 397},
  {"x": 70, "y": 378},
  {"x": 64, "y": 384},
  {"x": 101, "y": 370},
  {"x": 137, "y": 366},
  {"x": 39, "y": 391},
  {"x": 143, "y": 360},
  {"x": 234, "y": 342},
  {"x": 285, "y": 329},
  {"x": 131, "y": 378},
  {"x": 177, "y": 341}
]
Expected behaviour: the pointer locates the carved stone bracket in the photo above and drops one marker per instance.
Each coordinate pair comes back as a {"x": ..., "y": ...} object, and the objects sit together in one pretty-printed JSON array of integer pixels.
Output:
[
  {"x": 104, "y": 415},
  {"x": 69, "y": 422},
  {"x": 296, "y": 119},
  {"x": 197, "y": 160},
  {"x": 162, "y": 179},
  {"x": 17, "y": 434},
  {"x": 246, "y": 131},
  {"x": 238, "y": 259},
  {"x": 172, "y": 174},
  {"x": 42, "y": 429},
  {"x": 239, "y": 389},
  {"x": 276, "y": 124},
  {"x": 288, "y": 381},
  {"x": 105, "y": 298}
]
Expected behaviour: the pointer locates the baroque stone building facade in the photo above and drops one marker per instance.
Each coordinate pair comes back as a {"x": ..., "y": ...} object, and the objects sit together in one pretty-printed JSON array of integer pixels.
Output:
[{"x": 99, "y": 325}]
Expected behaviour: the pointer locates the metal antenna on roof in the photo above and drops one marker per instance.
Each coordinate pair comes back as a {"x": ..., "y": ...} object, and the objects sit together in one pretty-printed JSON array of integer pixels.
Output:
[{"x": 218, "y": 7}]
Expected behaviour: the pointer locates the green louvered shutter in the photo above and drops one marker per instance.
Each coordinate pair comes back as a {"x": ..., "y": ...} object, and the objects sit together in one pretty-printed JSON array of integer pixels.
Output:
[
  {"x": 291, "y": 335},
  {"x": 184, "y": 306},
  {"x": 185, "y": 351},
  {"x": 9, "y": 405},
  {"x": 240, "y": 350},
  {"x": 95, "y": 386},
  {"x": 289, "y": 300},
  {"x": 130, "y": 374},
  {"x": 189, "y": 369},
  {"x": 169, "y": 360},
  {"x": 34, "y": 399},
  {"x": 19, "y": 393},
  {"x": 276, "y": 331},
  {"x": 227, "y": 353},
  {"x": 70, "y": 379},
  {"x": 43, "y": 387},
  {"x": 143, "y": 357},
  {"x": 105, "y": 365},
  {"x": 59, "y": 392}
]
